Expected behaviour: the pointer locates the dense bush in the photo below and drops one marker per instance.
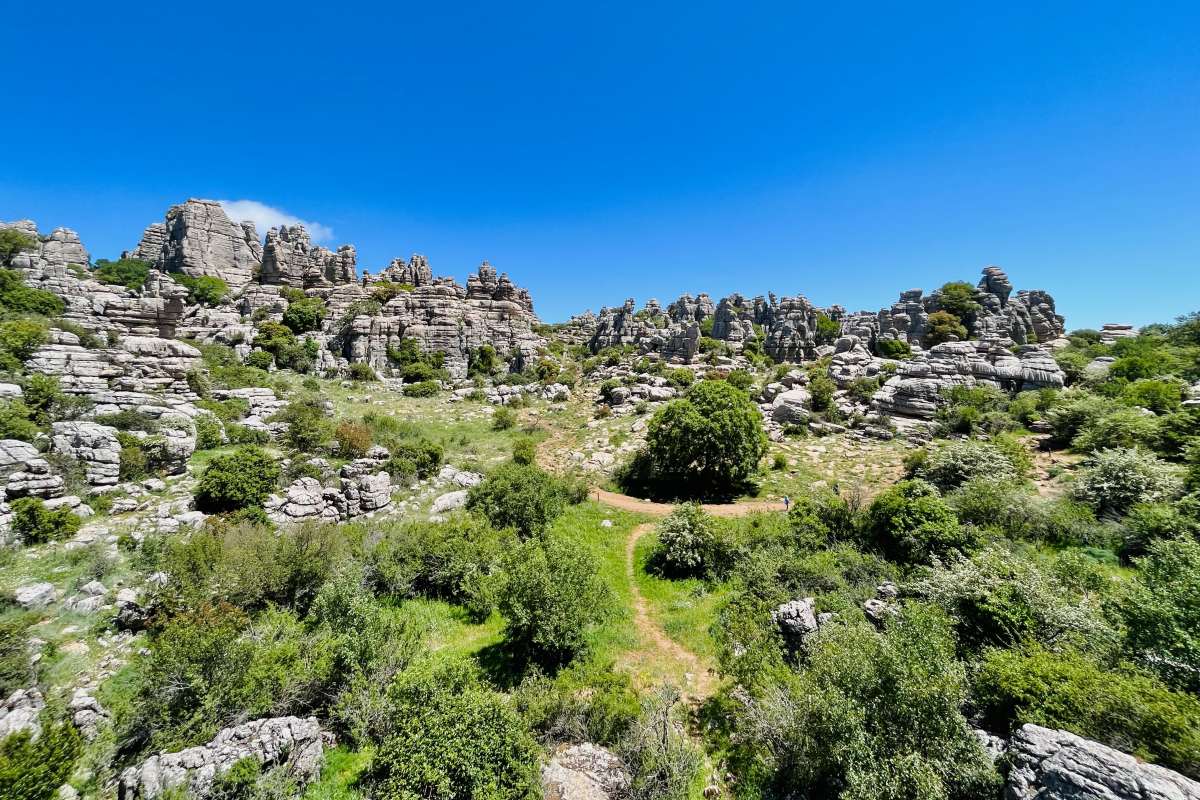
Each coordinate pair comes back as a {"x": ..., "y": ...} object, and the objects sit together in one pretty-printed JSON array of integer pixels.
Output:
[
  {"x": 259, "y": 359},
  {"x": 36, "y": 524},
  {"x": 869, "y": 716},
  {"x": 1162, "y": 612},
  {"x": 15, "y": 669},
  {"x": 1113, "y": 481},
  {"x": 952, "y": 464},
  {"x": 708, "y": 443},
  {"x": 944, "y": 327},
  {"x": 12, "y": 242},
  {"x": 504, "y": 419},
  {"x": 16, "y": 421},
  {"x": 34, "y": 769},
  {"x": 663, "y": 763},
  {"x": 893, "y": 348},
  {"x": 453, "y": 738},
  {"x": 128, "y": 272},
  {"x": 1018, "y": 512},
  {"x": 20, "y": 339},
  {"x": 689, "y": 544},
  {"x": 16, "y": 296},
  {"x": 482, "y": 361},
  {"x": 422, "y": 389},
  {"x": 241, "y": 479},
  {"x": 1128, "y": 711},
  {"x": 974, "y": 409},
  {"x": 1122, "y": 427},
  {"x": 521, "y": 497},
  {"x": 586, "y": 702},
  {"x": 360, "y": 371},
  {"x": 999, "y": 599},
  {"x": 821, "y": 389},
  {"x": 447, "y": 560},
  {"x": 209, "y": 433},
  {"x": 418, "y": 457},
  {"x": 551, "y": 595},
  {"x": 308, "y": 428},
  {"x": 910, "y": 522},
  {"x": 206, "y": 290},
  {"x": 525, "y": 451},
  {"x": 304, "y": 315},
  {"x": 958, "y": 298}
]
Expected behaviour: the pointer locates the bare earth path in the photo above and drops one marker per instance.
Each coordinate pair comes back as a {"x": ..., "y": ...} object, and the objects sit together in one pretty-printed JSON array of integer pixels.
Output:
[{"x": 700, "y": 681}]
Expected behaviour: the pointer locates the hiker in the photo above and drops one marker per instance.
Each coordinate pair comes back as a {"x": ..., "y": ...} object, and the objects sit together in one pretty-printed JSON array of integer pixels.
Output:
[{"x": 787, "y": 503}]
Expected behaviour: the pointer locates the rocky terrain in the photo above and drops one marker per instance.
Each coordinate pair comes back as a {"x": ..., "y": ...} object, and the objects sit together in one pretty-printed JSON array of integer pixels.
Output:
[{"x": 386, "y": 398}]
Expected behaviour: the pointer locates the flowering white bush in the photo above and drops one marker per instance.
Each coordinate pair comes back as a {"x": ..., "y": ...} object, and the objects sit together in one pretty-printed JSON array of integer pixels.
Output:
[{"x": 1116, "y": 480}]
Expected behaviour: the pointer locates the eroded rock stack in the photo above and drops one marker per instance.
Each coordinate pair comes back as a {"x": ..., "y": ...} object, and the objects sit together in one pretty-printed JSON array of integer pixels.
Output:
[
  {"x": 198, "y": 238},
  {"x": 291, "y": 259}
]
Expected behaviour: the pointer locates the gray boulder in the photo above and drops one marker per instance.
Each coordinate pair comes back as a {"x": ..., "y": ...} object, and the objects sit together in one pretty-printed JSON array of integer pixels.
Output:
[
  {"x": 92, "y": 444},
  {"x": 1057, "y": 765},
  {"x": 584, "y": 772}
]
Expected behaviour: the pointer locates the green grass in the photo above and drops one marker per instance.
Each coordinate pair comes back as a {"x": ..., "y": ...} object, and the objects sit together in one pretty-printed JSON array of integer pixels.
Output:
[
  {"x": 449, "y": 629},
  {"x": 684, "y": 609},
  {"x": 339, "y": 775}
]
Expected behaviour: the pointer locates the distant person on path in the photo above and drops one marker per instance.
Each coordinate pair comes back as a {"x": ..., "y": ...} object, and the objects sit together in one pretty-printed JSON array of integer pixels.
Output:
[{"x": 787, "y": 503}]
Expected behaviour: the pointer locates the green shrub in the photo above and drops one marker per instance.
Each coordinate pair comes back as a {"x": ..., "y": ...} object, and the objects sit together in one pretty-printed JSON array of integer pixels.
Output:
[
  {"x": 868, "y": 716},
  {"x": 1158, "y": 396},
  {"x": 453, "y": 738},
  {"x": 36, "y": 524},
  {"x": 205, "y": 290},
  {"x": 20, "y": 339},
  {"x": 420, "y": 457},
  {"x": 663, "y": 763},
  {"x": 740, "y": 378},
  {"x": 241, "y": 434},
  {"x": 12, "y": 242},
  {"x": 259, "y": 359},
  {"x": 910, "y": 522},
  {"x": 1124, "y": 427},
  {"x": 307, "y": 426},
  {"x": 243, "y": 478},
  {"x": 827, "y": 330},
  {"x": 360, "y": 371},
  {"x": 689, "y": 544},
  {"x": 209, "y": 433},
  {"x": 958, "y": 298},
  {"x": 16, "y": 422},
  {"x": 504, "y": 419},
  {"x": 33, "y": 769},
  {"x": 944, "y": 327},
  {"x": 128, "y": 272},
  {"x": 447, "y": 560},
  {"x": 822, "y": 387},
  {"x": 708, "y": 443},
  {"x": 681, "y": 378},
  {"x": 304, "y": 315},
  {"x": 482, "y": 361},
  {"x": 521, "y": 497},
  {"x": 1017, "y": 512},
  {"x": 17, "y": 297},
  {"x": 15, "y": 670},
  {"x": 586, "y": 702},
  {"x": 525, "y": 451},
  {"x": 1162, "y": 615},
  {"x": 893, "y": 348},
  {"x": 384, "y": 291},
  {"x": 422, "y": 389},
  {"x": 952, "y": 464},
  {"x": 551, "y": 595},
  {"x": 997, "y": 598},
  {"x": 1130, "y": 712},
  {"x": 1113, "y": 481}
]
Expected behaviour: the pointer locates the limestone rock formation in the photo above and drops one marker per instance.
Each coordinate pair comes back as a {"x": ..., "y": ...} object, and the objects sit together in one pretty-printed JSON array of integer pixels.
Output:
[
  {"x": 150, "y": 248},
  {"x": 95, "y": 446},
  {"x": 291, "y": 259},
  {"x": 1057, "y": 765},
  {"x": 916, "y": 388},
  {"x": 199, "y": 239},
  {"x": 25, "y": 473},
  {"x": 584, "y": 772},
  {"x": 20, "y": 711},
  {"x": 414, "y": 272},
  {"x": 445, "y": 317},
  {"x": 289, "y": 742}
]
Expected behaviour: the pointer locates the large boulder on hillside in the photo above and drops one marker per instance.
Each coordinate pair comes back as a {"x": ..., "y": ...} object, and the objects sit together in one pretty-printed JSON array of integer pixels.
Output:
[
  {"x": 1057, "y": 765},
  {"x": 791, "y": 407}
]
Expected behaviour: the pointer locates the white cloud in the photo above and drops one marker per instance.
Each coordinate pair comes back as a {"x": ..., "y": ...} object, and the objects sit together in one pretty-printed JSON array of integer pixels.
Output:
[{"x": 266, "y": 217}]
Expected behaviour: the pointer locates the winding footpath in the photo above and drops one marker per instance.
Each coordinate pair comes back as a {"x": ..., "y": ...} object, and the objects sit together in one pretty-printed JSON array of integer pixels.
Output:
[{"x": 700, "y": 681}]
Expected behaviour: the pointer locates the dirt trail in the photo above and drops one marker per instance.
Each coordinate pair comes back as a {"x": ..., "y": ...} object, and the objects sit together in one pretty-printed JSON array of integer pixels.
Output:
[
  {"x": 701, "y": 683},
  {"x": 627, "y": 503}
]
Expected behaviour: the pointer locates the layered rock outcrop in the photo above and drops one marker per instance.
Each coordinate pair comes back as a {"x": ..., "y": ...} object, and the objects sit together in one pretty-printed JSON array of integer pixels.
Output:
[
  {"x": 291, "y": 259},
  {"x": 442, "y": 316},
  {"x": 916, "y": 390},
  {"x": 200, "y": 239},
  {"x": 290, "y": 743}
]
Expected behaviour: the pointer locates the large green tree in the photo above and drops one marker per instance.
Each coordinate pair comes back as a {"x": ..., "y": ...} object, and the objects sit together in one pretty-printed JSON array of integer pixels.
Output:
[{"x": 708, "y": 443}]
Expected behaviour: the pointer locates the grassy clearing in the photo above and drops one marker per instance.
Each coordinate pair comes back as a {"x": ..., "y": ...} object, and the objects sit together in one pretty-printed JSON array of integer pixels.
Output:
[{"x": 339, "y": 775}]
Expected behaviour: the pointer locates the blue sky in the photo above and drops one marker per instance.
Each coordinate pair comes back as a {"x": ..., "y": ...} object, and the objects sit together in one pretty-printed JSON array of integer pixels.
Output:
[{"x": 600, "y": 151}]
